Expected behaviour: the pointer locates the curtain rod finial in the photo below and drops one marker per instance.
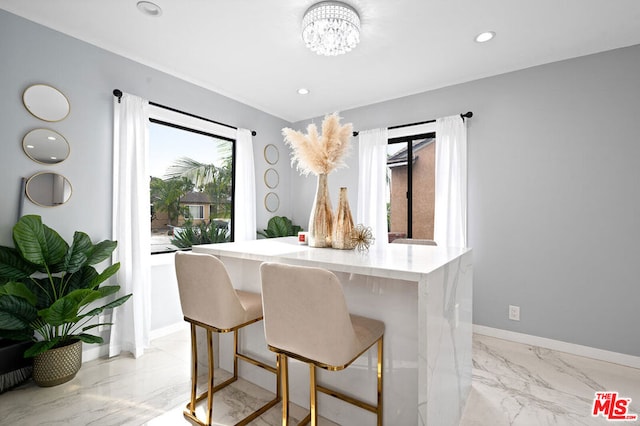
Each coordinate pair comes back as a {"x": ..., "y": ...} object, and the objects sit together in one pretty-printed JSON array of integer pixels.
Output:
[{"x": 118, "y": 94}]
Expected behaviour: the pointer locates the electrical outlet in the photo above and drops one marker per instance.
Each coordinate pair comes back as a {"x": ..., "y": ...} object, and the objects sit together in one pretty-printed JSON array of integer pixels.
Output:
[{"x": 514, "y": 313}]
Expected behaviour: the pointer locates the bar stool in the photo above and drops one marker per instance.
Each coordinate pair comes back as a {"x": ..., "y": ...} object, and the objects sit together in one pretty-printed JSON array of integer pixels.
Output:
[
  {"x": 209, "y": 301},
  {"x": 306, "y": 318}
]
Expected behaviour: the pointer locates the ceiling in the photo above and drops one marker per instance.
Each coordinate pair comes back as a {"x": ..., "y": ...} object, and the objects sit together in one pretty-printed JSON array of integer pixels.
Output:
[{"x": 252, "y": 51}]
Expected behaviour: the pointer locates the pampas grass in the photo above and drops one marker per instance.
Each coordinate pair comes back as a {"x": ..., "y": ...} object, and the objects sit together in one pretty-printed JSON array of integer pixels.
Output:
[{"x": 319, "y": 154}]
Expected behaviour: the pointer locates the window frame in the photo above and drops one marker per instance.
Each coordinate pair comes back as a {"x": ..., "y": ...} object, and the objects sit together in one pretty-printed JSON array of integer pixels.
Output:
[
  {"x": 190, "y": 123},
  {"x": 408, "y": 134},
  {"x": 201, "y": 209}
]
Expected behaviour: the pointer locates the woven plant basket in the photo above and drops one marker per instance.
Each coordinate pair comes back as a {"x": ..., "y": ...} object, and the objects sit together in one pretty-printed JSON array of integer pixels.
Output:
[{"x": 57, "y": 366}]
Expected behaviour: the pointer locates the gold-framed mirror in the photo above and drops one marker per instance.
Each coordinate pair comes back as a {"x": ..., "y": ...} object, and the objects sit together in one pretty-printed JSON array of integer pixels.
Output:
[
  {"x": 271, "y": 154},
  {"x": 271, "y": 202},
  {"x": 46, "y": 102},
  {"x": 45, "y": 146},
  {"x": 271, "y": 178},
  {"x": 48, "y": 189}
]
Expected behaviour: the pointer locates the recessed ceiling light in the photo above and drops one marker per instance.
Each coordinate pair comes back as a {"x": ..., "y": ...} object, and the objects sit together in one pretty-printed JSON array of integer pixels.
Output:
[
  {"x": 485, "y": 36},
  {"x": 149, "y": 8},
  {"x": 51, "y": 138},
  {"x": 54, "y": 158},
  {"x": 303, "y": 91},
  {"x": 30, "y": 146}
]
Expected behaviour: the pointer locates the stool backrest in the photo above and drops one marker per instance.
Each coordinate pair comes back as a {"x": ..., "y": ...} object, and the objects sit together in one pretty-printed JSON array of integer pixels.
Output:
[
  {"x": 305, "y": 313},
  {"x": 414, "y": 241},
  {"x": 206, "y": 292}
]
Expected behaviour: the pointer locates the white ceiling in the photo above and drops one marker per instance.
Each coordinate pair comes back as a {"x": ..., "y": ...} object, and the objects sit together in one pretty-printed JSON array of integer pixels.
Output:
[{"x": 251, "y": 50}]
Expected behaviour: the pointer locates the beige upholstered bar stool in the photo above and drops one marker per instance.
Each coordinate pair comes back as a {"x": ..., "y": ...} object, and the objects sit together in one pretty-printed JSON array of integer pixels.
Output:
[
  {"x": 306, "y": 318},
  {"x": 209, "y": 300},
  {"x": 419, "y": 241}
]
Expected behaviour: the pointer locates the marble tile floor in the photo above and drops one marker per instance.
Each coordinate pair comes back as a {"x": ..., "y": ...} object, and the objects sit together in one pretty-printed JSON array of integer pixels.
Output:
[
  {"x": 517, "y": 384},
  {"x": 513, "y": 384}
]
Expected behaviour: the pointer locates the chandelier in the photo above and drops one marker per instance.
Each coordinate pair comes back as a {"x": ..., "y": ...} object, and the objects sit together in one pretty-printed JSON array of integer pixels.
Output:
[{"x": 331, "y": 28}]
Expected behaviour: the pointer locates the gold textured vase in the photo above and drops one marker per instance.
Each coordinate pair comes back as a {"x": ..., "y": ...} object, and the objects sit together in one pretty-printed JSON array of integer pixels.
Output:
[
  {"x": 343, "y": 224},
  {"x": 321, "y": 219},
  {"x": 57, "y": 366}
]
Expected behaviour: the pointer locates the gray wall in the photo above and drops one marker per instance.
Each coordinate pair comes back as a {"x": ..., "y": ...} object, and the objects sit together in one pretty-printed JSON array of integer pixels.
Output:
[
  {"x": 554, "y": 194},
  {"x": 87, "y": 75}
]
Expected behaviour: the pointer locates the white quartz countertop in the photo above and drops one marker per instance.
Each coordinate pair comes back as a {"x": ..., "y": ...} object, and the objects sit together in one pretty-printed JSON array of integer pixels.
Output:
[{"x": 400, "y": 261}]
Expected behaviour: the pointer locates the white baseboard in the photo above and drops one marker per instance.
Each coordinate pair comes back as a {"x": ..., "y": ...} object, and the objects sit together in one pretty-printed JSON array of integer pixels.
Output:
[
  {"x": 170, "y": 329},
  {"x": 557, "y": 345},
  {"x": 92, "y": 352}
]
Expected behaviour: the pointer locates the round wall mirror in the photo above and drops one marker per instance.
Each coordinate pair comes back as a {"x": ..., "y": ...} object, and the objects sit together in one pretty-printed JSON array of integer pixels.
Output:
[
  {"x": 271, "y": 178},
  {"x": 271, "y": 154},
  {"x": 271, "y": 202},
  {"x": 46, "y": 102},
  {"x": 45, "y": 146},
  {"x": 48, "y": 189}
]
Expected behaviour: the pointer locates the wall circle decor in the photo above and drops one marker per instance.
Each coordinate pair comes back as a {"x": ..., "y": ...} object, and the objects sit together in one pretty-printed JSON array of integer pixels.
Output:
[
  {"x": 271, "y": 178},
  {"x": 46, "y": 102},
  {"x": 45, "y": 146},
  {"x": 48, "y": 189},
  {"x": 271, "y": 154},
  {"x": 271, "y": 202}
]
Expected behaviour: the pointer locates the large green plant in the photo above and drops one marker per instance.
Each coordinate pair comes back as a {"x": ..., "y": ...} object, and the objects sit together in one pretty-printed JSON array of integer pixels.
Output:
[
  {"x": 280, "y": 226},
  {"x": 47, "y": 287}
]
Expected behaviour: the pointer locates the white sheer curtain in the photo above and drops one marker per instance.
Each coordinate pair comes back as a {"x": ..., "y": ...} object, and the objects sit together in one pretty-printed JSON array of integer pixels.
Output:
[
  {"x": 131, "y": 224},
  {"x": 245, "y": 184},
  {"x": 372, "y": 181},
  {"x": 450, "y": 216}
]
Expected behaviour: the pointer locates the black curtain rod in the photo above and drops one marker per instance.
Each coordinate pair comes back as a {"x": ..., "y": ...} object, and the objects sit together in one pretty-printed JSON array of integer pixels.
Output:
[
  {"x": 118, "y": 94},
  {"x": 465, "y": 115}
]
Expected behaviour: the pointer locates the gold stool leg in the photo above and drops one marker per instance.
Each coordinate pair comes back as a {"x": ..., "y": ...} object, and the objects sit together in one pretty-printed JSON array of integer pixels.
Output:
[
  {"x": 313, "y": 395},
  {"x": 194, "y": 370},
  {"x": 235, "y": 354},
  {"x": 380, "y": 383},
  {"x": 284, "y": 373},
  {"x": 210, "y": 378}
]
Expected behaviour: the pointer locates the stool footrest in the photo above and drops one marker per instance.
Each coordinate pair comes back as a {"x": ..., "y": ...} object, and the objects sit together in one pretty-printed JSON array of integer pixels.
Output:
[
  {"x": 257, "y": 363},
  {"x": 334, "y": 393},
  {"x": 193, "y": 418}
]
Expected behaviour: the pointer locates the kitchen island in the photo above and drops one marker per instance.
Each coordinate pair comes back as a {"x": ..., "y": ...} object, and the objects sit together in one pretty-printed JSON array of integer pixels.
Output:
[{"x": 424, "y": 296}]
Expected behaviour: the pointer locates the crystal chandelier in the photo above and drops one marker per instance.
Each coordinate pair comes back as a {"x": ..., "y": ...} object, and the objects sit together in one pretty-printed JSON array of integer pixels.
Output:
[{"x": 331, "y": 28}]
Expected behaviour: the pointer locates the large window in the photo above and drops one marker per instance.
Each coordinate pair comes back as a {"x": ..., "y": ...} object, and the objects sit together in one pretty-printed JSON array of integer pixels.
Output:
[
  {"x": 191, "y": 187},
  {"x": 411, "y": 186}
]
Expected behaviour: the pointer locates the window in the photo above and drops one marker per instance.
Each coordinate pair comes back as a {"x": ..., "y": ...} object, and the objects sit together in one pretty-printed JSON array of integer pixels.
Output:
[
  {"x": 411, "y": 186},
  {"x": 191, "y": 183},
  {"x": 194, "y": 212}
]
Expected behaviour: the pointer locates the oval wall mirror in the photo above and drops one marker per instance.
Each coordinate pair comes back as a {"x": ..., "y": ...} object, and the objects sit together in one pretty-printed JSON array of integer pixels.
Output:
[
  {"x": 271, "y": 178},
  {"x": 46, "y": 102},
  {"x": 45, "y": 146},
  {"x": 271, "y": 154},
  {"x": 48, "y": 189},
  {"x": 271, "y": 202}
]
